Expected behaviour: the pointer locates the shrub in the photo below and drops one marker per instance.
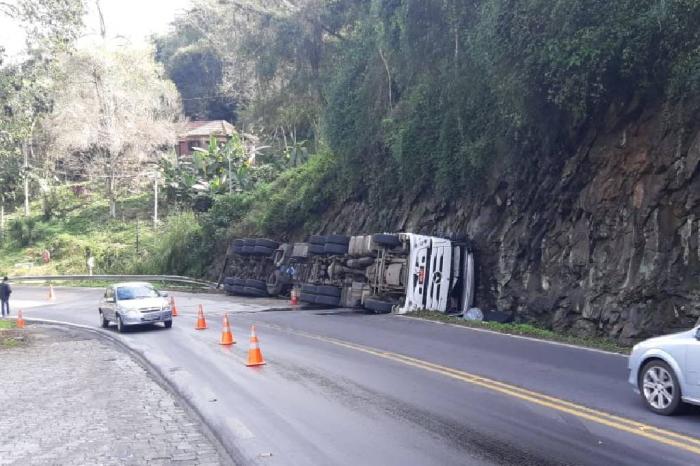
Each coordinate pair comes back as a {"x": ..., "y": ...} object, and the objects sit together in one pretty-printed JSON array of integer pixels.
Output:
[{"x": 25, "y": 231}]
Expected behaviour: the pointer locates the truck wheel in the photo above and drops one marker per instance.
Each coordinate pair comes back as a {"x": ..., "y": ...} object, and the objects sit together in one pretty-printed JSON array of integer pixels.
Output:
[
  {"x": 255, "y": 292},
  {"x": 389, "y": 241},
  {"x": 310, "y": 289},
  {"x": 327, "y": 290},
  {"x": 377, "y": 305},
  {"x": 307, "y": 297},
  {"x": 228, "y": 281},
  {"x": 332, "y": 248},
  {"x": 276, "y": 283},
  {"x": 317, "y": 239},
  {"x": 317, "y": 249},
  {"x": 258, "y": 284},
  {"x": 337, "y": 239},
  {"x": 327, "y": 300},
  {"x": 262, "y": 251},
  {"x": 267, "y": 243}
]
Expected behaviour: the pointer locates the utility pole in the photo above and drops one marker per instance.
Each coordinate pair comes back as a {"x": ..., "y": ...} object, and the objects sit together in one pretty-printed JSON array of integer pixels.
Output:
[
  {"x": 155, "y": 200},
  {"x": 26, "y": 178},
  {"x": 230, "y": 181}
]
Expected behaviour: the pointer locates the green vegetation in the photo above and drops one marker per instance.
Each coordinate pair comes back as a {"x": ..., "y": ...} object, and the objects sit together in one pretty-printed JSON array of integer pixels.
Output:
[
  {"x": 10, "y": 337},
  {"x": 5, "y": 324},
  {"x": 526, "y": 330},
  {"x": 411, "y": 97}
]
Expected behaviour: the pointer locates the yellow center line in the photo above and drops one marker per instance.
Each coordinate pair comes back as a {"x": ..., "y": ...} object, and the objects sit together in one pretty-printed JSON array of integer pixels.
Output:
[{"x": 669, "y": 438}]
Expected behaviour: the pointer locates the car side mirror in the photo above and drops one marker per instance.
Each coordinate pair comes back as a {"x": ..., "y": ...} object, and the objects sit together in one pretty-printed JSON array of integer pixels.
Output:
[{"x": 697, "y": 333}]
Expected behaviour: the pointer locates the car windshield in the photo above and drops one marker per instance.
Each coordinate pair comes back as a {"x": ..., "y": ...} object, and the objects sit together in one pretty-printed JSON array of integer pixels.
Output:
[{"x": 136, "y": 292}]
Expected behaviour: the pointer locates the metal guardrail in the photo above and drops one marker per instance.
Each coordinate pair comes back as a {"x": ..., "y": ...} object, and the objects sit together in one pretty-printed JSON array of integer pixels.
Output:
[{"x": 136, "y": 278}]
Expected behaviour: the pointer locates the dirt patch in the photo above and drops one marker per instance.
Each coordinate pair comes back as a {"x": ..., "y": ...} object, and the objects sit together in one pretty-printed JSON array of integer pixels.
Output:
[{"x": 14, "y": 337}]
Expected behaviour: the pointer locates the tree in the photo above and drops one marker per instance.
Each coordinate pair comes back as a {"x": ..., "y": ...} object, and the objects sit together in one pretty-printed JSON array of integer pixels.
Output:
[
  {"x": 114, "y": 113},
  {"x": 51, "y": 27}
]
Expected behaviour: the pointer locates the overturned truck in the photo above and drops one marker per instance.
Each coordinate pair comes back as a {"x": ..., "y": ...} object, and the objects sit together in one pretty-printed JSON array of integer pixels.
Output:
[{"x": 400, "y": 272}]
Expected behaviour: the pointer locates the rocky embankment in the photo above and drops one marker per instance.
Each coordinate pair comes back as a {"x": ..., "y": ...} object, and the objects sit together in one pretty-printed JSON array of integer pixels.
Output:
[{"x": 604, "y": 240}]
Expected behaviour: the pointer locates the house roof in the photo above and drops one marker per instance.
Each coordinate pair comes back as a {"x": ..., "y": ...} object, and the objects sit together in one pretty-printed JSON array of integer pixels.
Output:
[{"x": 207, "y": 128}]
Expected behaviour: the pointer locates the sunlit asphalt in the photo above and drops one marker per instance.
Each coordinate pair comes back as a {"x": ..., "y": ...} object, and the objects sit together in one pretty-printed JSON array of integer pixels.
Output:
[{"x": 343, "y": 387}]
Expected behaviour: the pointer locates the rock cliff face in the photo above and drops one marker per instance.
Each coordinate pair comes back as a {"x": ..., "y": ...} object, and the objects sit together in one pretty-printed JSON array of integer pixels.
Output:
[{"x": 601, "y": 241}]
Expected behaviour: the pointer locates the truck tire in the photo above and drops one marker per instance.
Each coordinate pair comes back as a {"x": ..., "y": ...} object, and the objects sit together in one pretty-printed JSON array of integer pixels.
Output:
[
  {"x": 327, "y": 300},
  {"x": 317, "y": 249},
  {"x": 262, "y": 251},
  {"x": 332, "y": 248},
  {"x": 328, "y": 290},
  {"x": 377, "y": 305},
  {"x": 257, "y": 284},
  {"x": 255, "y": 292},
  {"x": 389, "y": 241},
  {"x": 228, "y": 281},
  {"x": 276, "y": 283},
  {"x": 310, "y": 289},
  {"x": 268, "y": 243},
  {"x": 307, "y": 297},
  {"x": 238, "y": 290},
  {"x": 317, "y": 239},
  {"x": 247, "y": 250},
  {"x": 337, "y": 239},
  {"x": 248, "y": 241}
]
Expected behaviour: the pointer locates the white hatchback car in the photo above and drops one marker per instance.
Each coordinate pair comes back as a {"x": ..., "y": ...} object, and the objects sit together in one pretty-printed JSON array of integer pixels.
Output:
[
  {"x": 666, "y": 371},
  {"x": 134, "y": 303}
]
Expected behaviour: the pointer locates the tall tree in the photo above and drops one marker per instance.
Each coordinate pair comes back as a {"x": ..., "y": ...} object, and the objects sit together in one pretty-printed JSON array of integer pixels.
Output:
[
  {"x": 114, "y": 113},
  {"x": 51, "y": 27}
]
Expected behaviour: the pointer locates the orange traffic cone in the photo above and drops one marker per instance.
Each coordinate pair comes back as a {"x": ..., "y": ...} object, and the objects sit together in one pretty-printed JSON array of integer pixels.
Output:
[
  {"x": 201, "y": 322},
  {"x": 226, "y": 334},
  {"x": 20, "y": 319},
  {"x": 173, "y": 307},
  {"x": 255, "y": 357},
  {"x": 294, "y": 295},
  {"x": 51, "y": 294}
]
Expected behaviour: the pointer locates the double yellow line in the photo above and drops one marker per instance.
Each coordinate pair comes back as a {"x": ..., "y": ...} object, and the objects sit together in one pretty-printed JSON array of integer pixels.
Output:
[{"x": 665, "y": 437}]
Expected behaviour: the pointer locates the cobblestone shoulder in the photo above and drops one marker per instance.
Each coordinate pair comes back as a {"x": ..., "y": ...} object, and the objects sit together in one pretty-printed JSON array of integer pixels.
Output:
[{"x": 72, "y": 399}]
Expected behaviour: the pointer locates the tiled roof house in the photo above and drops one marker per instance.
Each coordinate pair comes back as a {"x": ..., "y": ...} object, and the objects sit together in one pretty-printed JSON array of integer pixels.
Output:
[{"x": 197, "y": 134}]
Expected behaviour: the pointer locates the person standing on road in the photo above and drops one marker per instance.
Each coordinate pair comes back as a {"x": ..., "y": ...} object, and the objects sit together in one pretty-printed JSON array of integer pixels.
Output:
[{"x": 5, "y": 292}]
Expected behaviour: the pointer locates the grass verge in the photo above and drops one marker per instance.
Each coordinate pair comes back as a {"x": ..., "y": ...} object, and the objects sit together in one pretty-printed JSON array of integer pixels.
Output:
[
  {"x": 526, "y": 330},
  {"x": 10, "y": 336}
]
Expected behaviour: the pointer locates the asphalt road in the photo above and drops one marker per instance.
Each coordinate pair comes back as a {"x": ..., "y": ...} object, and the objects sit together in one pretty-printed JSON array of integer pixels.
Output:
[{"x": 342, "y": 387}]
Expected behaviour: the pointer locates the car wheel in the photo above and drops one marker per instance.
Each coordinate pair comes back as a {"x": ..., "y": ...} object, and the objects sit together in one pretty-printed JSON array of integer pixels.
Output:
[
  {"x": 120, "y": 324},
  {"x": 168, "y": 323},
  {"x": 104, "y": 323},
  {"x": 659, "y": 388}
]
